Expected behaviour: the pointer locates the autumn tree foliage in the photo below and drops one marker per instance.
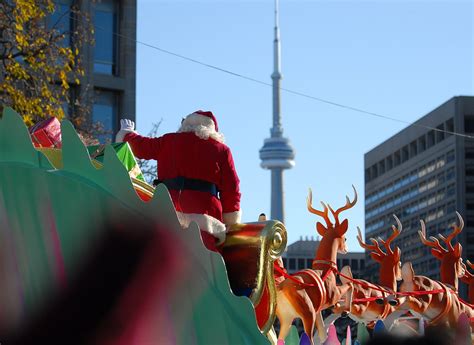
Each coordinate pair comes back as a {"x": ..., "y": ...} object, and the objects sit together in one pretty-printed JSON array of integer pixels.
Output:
[{"x": 40, "y": 59}]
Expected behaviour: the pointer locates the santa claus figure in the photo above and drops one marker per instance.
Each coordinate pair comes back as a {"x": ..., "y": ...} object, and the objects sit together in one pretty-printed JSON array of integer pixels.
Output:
[{"x": 198, "y": 169}]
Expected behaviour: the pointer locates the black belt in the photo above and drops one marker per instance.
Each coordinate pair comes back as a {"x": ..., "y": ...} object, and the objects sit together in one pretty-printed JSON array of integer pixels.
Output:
[{"x": 183, "y": 183}]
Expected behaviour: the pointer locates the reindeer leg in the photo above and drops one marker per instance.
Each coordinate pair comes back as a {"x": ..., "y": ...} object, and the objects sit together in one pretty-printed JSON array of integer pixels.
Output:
[
  {"x": 349, "y": 293},
  {"x": 392, "y": 317},
  {"x": 330, "y": 320},
  {"x": 308, "y": 325},
  {"x": 285, "y": 324},
  {"x": 320, "y": 326}
]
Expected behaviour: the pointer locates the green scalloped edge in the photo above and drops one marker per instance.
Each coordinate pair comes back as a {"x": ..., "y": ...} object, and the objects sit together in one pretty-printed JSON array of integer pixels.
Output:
[{"x": 113, "y": 182}]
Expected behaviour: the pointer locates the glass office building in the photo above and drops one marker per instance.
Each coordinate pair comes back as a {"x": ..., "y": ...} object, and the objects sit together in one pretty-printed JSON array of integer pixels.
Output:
[
  {"x": 423, "y": 173},
  {"x": 110, "y": 64}
]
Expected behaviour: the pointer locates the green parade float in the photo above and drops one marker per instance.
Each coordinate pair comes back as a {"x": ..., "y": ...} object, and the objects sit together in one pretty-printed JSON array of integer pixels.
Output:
[
  {"x": 55, "y": 207},
  {"x": 52, "y": 205}
]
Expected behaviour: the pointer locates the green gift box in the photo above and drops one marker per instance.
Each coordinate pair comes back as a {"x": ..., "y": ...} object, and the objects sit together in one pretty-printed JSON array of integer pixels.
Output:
[{"x": 124, "y": 154}]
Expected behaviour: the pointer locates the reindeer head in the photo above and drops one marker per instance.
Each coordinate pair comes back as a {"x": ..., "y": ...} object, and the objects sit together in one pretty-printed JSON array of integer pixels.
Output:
[
  {"x": 333, "y": 234},
  {"x": 390, "y": 266},
  {"x": 450, "y": 257}
]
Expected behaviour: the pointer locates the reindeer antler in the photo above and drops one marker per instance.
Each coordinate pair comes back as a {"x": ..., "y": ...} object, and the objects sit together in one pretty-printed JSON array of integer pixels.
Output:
[
  {"x": 467, "y": 275},
  {"x": 396, "y": 231},
  {"x": 456, "y": 230},
  {"x": 324, "y": 214},
  {"x": 349, "y": 204},
  {"x": 375, "y": 247},
  {"x": 434, "y": 243}
]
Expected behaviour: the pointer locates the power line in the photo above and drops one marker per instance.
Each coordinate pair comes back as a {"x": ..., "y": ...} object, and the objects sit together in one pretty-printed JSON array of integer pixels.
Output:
[{"x": 297, "y": 93}]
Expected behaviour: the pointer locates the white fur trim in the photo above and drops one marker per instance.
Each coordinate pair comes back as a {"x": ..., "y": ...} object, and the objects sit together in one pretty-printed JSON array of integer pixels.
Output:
[
  {"x": 202, "y": 126},
  {"x": 205, "y": 222},
  {"x": 232, "y": 217},
  {"x": 121, "y": 134}
]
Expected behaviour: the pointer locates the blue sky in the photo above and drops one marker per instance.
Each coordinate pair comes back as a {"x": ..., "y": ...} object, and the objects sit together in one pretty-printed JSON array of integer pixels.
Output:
[{"x": 397, "y": 58}]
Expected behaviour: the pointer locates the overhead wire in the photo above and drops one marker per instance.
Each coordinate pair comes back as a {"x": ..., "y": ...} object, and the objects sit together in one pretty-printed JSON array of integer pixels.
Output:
[{"x": 290, "y": 91}]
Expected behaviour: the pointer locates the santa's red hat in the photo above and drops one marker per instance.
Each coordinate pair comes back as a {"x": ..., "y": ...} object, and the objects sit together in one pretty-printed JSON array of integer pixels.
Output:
[{"x": 208, "y": 114}]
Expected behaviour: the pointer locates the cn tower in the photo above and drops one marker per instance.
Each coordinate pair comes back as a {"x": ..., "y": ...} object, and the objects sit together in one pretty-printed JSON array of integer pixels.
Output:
[{"x": 277, "y": 154}]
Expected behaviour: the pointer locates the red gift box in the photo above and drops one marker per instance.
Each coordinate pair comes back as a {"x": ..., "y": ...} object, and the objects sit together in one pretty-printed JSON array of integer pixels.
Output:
[{"x": 46, "y": 133}]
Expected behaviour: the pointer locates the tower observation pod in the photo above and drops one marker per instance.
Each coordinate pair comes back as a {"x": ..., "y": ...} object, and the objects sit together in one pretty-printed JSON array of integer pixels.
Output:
[{"x": 277, "y": 154}]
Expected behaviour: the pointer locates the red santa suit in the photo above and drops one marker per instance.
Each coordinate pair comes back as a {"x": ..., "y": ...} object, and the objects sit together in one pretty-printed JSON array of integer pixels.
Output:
[{"x": 198, "y": 169}]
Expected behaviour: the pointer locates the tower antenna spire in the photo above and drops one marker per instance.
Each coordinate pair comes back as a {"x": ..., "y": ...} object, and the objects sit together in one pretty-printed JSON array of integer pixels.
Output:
[{"x": 277, "y": 154}]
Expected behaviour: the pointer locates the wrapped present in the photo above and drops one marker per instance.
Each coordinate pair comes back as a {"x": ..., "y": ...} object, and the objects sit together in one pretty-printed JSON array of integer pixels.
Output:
[
  {"x": 125, "y": 155},
  {"x": 46, "y": 133}
]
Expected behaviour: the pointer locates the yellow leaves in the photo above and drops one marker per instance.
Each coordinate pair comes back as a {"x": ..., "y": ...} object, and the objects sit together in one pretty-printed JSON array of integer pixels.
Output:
[
  {"x": 39, "y": 67},
  {"x": 21, "y": 40},
  {"x": 63, "y": 79},
  {"x": 28, "y": 120},
  {"x": 50, "y": 6},
  {"x": 17, "y": 71}
]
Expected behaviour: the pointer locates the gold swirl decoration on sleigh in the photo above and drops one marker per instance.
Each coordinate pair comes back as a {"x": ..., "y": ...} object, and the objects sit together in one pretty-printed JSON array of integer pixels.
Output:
[{"x": 249, "y": 253}]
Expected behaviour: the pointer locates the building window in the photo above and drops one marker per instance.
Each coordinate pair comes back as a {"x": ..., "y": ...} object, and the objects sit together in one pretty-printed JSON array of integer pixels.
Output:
[
  {"x": 450, "y": 156},
  {"x": 389, "y": 162},
  {"x": 469, "y": 154},
  {"x": 440, "y": 133},
  {"x": 413, "y": 149},
  {"x": 449, "y": 125},
  {"x": 104, "y": 113},
  {"x": 367, "y": 175},
  {"x": 404, "y": 154},
  {"x": 374, "y": 172},
  {"x": 309, "y": 263},
  {"x": 382, "y": 167},
  {"x": 301, "y": 264},
  {"x": 345, "y": 262},
  {"x": 431, "y": 138},
  {"x": 292, "y": 265},
  {"x": 285, "y": 262},
  {"x": 451, "y": 208},
  {"x": 396, "y": 157},
  {"x": 355, "y": 264},
  {"x": 469, "y": 124},
  {"x": 106, "y": 40},
  {"x": 450, "y": 174},
  {"x": 421, "y": 144},
  {"x": 362, "y": 264}
]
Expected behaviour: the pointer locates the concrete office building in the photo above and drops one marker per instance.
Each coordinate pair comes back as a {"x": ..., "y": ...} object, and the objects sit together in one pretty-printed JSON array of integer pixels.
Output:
[
  {"x": 300, "y": 254},
  {"x": 110, "y": 65},
  {"x": 423, "y": 173}
]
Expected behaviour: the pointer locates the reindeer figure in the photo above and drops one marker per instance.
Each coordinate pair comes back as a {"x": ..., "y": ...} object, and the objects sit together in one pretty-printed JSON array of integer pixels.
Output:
[
  {"x": 468, "y": 278},
  {"x": 368, "y": 299},
  {"x": 451, "y": 263},
  {"x": 312, "y": 290},
  {"x": 440, "y": 304}
]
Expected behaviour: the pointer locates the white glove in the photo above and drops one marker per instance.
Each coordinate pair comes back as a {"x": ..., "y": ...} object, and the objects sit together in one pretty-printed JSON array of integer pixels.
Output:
[{"x": 127, "y": 125}]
